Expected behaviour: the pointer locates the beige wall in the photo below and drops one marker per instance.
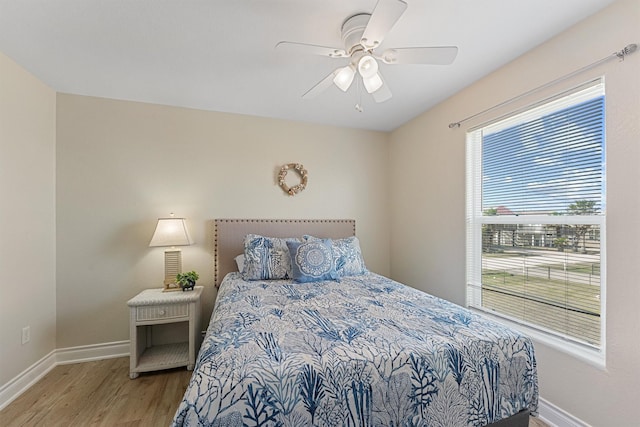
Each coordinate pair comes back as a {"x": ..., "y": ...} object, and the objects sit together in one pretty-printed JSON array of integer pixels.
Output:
[
  {"x": 121, "y": 165},
  {"x": 428, "y": 224},
  {"x": 27, "y": 219}
]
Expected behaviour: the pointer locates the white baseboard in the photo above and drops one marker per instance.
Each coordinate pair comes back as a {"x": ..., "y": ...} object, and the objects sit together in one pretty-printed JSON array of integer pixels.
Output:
[
  {"x": 63, "y": 356},
  {"x": 556, "y": 417},
  {"x": 27, "y": 378},
  {"x": 88, "y": 353}
]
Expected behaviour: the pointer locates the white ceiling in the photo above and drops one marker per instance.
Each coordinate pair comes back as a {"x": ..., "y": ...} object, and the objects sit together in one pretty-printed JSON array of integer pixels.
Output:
[{"x": 220, "y": 56}]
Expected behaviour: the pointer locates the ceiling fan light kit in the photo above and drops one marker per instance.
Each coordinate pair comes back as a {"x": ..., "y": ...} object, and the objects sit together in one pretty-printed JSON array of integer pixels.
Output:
[
  {"x": 373, "y": 83},
  {"x": 367, "y": 66},
  {"x": 361, "y": 35},
  {"x": 344, "y": 77},
  {"x": 368, "y": 69}
]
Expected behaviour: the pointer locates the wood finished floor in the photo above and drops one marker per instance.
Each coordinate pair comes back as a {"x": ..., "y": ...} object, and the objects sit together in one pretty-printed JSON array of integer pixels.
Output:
[
  {"x": 98, "y": 394},
  {"x": 101, "y": 394}
]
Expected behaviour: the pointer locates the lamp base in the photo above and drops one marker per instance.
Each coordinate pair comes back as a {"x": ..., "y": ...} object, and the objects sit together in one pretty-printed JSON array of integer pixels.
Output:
[
  {"x": 172, "y": 267},
  {"x": 171, "y": 286}
]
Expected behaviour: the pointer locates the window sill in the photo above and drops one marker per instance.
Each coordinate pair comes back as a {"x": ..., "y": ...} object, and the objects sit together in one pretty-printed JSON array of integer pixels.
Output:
[{"x": 594, "y": 357}]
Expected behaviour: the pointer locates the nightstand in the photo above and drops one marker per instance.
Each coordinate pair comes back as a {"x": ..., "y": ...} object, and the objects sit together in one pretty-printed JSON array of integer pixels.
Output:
[{"x": 152, "y": 308}]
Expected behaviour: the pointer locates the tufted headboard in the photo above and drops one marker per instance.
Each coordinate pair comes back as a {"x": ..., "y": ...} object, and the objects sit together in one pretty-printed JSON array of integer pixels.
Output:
[{"x": 229, "y": 235}]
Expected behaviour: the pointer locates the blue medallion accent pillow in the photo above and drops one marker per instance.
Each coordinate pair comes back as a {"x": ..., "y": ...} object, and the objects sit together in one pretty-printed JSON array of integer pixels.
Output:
[
  {"x": 312, "y": 261},
  {"x": 266, "y": 258},
  {"x": 347, "y": 256}
]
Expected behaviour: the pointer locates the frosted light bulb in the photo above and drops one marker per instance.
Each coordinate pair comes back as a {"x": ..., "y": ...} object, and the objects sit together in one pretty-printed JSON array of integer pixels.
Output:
[
  {"x": 373, "y": 83},
  {"x": 344, "y": 77},
  {"x": 367, "y": 66}
]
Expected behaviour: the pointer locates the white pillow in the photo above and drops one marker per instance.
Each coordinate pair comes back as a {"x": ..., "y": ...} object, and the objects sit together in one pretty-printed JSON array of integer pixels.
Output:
[{"x": 240, "y": 262}]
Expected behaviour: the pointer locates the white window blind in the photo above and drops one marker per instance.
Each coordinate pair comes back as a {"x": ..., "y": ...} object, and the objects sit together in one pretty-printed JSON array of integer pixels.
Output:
[{"x": 535, "y": 216}]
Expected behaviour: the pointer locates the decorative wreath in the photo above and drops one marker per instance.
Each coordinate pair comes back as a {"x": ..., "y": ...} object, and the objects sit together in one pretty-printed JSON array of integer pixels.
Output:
[{"x": 300, "y": 170}]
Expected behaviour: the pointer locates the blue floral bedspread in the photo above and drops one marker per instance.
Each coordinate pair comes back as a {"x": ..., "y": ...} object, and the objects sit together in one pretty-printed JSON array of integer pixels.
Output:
[{"x": 365, "y": 351}]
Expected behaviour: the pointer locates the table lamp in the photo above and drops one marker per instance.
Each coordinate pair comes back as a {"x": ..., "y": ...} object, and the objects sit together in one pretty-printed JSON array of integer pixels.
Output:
[{"x": 171, "y": 232}]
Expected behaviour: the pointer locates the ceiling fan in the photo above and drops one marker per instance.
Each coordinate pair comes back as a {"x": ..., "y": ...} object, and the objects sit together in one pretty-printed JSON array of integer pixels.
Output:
[{"x": 362, "y": 34}]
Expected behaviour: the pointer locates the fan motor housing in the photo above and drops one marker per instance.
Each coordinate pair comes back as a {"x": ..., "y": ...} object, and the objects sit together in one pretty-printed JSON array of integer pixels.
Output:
[{"x": 352, "y": 30}]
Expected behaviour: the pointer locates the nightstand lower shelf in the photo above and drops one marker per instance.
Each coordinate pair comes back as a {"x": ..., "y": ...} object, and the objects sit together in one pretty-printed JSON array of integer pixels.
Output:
[
  {"x": 175, "y": 354},
  {"x": 165, "y": 356}
]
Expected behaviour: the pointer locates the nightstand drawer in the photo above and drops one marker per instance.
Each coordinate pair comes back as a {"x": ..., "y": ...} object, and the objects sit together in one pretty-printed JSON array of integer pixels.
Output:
[{"x": 165, "y": 311}]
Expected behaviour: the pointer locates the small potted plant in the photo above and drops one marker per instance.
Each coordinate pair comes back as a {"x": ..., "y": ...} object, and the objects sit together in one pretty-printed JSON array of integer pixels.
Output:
[{"x": 187, "y": 280}]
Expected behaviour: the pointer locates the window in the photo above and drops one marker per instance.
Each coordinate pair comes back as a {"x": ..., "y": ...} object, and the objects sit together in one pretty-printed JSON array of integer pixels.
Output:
[{"x": 536, "y": 217}]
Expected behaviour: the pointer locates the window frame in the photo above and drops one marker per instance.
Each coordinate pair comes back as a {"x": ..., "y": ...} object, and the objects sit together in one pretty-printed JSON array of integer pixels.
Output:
[{"x": 475, "y": 220}]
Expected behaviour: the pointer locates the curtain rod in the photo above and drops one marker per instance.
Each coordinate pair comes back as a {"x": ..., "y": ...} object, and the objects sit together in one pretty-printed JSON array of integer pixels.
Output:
[{"x": 621, "y": 54}]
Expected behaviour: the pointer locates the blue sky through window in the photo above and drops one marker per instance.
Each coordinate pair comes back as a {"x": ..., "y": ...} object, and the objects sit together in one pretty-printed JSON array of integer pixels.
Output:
[{"x": 543, "y": 165}]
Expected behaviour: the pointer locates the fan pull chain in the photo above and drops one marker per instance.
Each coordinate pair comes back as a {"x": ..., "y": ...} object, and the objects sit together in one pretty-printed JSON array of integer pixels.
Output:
[{"x": 358, "y": 105}]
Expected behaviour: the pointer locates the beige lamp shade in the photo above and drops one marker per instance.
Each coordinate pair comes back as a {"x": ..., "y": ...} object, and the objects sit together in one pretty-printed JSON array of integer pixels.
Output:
[{"x": 171, "y": 232}]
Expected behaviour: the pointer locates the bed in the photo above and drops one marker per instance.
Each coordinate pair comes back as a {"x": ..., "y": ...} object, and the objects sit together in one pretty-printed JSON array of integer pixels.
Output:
[{"x": 350, "y": 349}]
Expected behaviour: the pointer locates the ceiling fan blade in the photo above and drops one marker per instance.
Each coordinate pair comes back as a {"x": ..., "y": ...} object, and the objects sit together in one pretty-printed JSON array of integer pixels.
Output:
[
  {"x": 441, "y": 55},
  {"x": 383, "y": 18},
  {"x": 321, "y": 86},
  {"x": 293, "y": 47},
  {"x": 383, "y": 93}
]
